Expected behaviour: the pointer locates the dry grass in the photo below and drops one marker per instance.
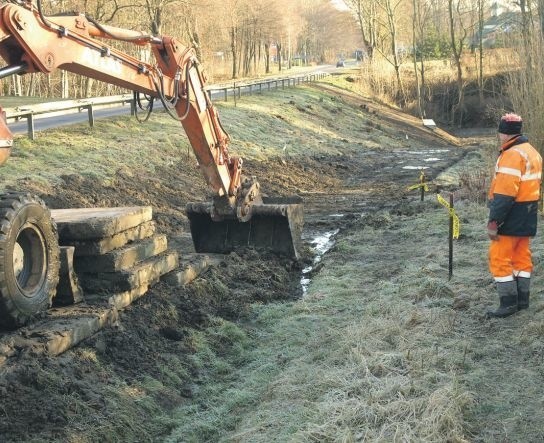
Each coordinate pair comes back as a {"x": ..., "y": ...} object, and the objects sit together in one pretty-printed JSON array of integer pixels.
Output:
[
  {"x": 364, "y": 356},
  {"x": 385, "y": 348},
  {"x": 377, "y": 79},
  {"x": 526, "y": 87}
]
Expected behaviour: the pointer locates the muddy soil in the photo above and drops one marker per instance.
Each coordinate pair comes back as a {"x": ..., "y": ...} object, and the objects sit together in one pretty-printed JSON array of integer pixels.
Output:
[{"x": 69, "y": 398}]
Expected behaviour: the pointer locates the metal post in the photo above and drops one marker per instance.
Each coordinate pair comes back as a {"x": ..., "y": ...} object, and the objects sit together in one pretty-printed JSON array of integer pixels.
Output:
[
  {"x": 226, "y": 92},
  {"x": 91, "y": 115},
  {"x": 234, "y": 93},
  {"x": 450, "y": 240},
  {"x": 30, "y": 126},
  {"x": 422, "y": 180}
]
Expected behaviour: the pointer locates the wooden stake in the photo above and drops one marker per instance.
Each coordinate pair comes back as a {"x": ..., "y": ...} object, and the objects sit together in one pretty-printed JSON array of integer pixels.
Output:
[
  {"x": 450, "y": 267},
  {"x": 422, "y": 179}
]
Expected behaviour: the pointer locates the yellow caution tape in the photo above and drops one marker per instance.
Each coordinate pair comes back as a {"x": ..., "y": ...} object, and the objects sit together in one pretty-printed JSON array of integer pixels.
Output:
[
  {"x": 456, "y": 222},
  {"x": 421, "y": 184}
]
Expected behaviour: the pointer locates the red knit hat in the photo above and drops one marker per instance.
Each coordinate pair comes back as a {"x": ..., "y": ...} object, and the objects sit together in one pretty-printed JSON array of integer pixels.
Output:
[{"x": 510, "y": 124}]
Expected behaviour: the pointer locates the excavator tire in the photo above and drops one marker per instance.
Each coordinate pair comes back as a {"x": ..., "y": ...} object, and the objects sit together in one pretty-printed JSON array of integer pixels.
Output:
[{"x": 29, "y": 258}]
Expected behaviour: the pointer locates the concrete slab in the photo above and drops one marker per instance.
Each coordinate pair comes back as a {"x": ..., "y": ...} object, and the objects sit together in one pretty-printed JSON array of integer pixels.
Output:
[
  {"x": 105, "y": 245},
  {"x": 65, "y": 327},
  {"x": 96, "y": 223},
  {"x": 62, "y": 329},
  {"x": 68, "y": 289},
  {"x": 123, "y": 258},
  {"x": 120, "y": 300},
  {"x": 139, "y": 275},
  {"x": 190, "y": 267}
]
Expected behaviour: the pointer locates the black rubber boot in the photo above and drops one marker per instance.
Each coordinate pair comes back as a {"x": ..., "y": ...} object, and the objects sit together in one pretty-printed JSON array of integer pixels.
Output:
[
  {"x": 523, "y": 292},
  {"x": 508, "y": 297}
]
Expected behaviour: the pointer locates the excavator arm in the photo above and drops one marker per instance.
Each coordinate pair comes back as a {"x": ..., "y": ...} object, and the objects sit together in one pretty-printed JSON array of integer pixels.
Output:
[{"x": 32, "y": 42}]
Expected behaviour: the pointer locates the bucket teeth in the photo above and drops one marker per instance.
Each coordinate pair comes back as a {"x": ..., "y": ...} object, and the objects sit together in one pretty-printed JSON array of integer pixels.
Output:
[{"x": 275, "y": 226}]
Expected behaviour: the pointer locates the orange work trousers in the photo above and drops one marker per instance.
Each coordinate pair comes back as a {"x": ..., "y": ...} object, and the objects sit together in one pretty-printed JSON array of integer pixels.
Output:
[{"x": 510, "y": 257}]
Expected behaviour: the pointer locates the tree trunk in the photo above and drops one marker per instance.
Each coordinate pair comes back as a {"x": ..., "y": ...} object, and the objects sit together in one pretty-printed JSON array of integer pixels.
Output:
[
  {"x": 525, "y": 32},
  {"x": 368, "y": 43},
  {"x": 88, "y": 86},
  {"x": 234, "y": 50},
  {"x": 31, "y": 85},
  {"x": 195, "y": 41},
  {"x": 414, "y": 51},
  {"x": 267, "y": 58},
  {"x": 394, "y": 49},
  {"x": 540, "y": 8},
  {"x": 17, "y": 86},
  {"x": 481, "y": 6},
  {"x": 156, "y": 21},
  {"x": 456, "y": 53}
]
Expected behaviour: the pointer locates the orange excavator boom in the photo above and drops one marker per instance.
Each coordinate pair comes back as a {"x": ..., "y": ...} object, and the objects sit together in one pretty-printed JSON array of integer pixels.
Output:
[{"x": 32, "y": 42}]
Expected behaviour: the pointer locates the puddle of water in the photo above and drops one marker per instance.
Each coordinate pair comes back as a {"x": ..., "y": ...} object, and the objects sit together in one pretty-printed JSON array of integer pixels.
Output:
[
  {"x": 426, "y": 152},
  {"x": 432, "y": 159},
  {"x": 320, "y": 245},
  {"x": 415, "y": 167}
]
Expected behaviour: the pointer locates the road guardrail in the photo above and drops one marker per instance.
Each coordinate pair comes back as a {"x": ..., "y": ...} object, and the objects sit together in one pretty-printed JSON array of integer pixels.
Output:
[
  {"x": 30, "y": 112},
  {"x": 235, "y": 89}
]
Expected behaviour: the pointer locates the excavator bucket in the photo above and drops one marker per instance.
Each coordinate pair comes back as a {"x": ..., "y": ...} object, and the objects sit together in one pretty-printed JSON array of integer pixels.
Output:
[{"x": 275, "y": 225}]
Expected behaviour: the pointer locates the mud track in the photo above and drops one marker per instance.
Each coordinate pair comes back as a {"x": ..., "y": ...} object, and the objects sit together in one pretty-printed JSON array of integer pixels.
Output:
[{"x": 85, "y": 394}]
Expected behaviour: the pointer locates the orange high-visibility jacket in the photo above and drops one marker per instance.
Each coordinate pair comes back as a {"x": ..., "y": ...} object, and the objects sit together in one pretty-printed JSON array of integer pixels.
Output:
[{"x": 515, "y": 190}]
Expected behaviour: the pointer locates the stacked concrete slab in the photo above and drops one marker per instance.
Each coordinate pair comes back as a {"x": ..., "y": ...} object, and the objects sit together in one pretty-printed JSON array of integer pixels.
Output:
[
  {"x": 117, "y": 255},
  {"x": 116, "y": 250}
]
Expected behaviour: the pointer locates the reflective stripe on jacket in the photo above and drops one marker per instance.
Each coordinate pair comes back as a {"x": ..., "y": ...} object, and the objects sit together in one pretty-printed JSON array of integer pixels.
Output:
[{"x": 515, "y": 190}]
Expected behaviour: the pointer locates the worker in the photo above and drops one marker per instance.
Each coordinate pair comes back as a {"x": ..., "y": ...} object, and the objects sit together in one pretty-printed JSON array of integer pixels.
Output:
[{"x": 513, "y": 203}]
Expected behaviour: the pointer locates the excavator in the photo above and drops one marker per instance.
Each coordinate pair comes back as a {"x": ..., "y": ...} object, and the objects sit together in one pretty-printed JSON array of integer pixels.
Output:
[{"x": 238, "y": 214}]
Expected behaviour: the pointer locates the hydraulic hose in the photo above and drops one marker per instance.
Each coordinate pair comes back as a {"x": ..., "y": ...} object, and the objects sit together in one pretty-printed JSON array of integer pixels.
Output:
[
  {"x": 167, "y": 105},
  {"x": 138, "y": 104},
  {"x": 13, "y": 69}
]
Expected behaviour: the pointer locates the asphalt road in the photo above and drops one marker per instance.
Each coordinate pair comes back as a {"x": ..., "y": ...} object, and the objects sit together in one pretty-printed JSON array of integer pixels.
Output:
[
  {"x": 42, "y": 123},
  {"x": 67, "y": 119}
]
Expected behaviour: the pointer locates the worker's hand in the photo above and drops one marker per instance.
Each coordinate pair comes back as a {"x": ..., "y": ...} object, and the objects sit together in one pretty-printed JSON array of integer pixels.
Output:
[{"x": 492, "y": 229}]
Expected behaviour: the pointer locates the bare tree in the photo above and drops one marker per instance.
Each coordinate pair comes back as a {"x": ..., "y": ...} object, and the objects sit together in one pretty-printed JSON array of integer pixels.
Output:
[
  {"x": 458, "y": 35},
  {"x": 365, "y": 15},
  {"x": 391, "y": 10},
  {"x": 415, "y": 37}
]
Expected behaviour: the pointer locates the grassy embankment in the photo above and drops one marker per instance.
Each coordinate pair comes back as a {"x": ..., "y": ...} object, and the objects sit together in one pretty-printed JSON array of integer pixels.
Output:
[{"x": 260, "y": 128}]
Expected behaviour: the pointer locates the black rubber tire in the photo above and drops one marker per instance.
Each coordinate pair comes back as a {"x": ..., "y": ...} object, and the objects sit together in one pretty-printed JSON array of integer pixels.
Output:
[{"x": 29, "y": 259}]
